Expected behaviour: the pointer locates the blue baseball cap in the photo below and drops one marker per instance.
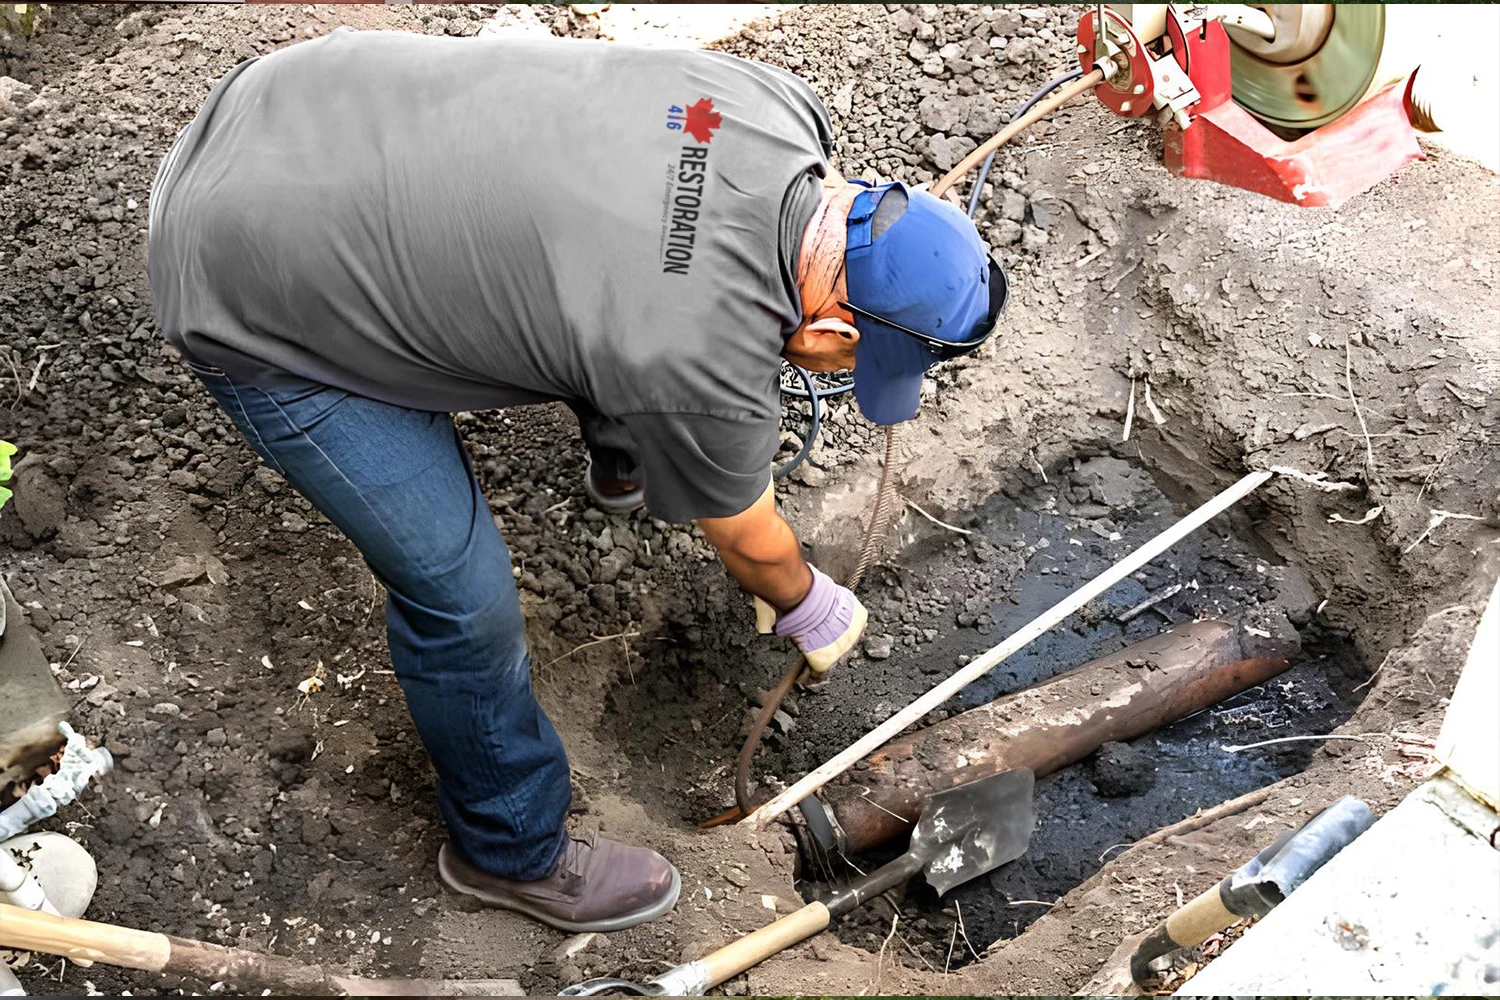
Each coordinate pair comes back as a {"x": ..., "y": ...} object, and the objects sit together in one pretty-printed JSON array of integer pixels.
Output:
[{"x": 923, "y": 291}]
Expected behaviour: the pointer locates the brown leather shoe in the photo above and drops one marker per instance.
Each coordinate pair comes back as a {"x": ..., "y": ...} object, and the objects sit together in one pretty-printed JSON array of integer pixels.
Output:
[{"x": 598, "y": 885}]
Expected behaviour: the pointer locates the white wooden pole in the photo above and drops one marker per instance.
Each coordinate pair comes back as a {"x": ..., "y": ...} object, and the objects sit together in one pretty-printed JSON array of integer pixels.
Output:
[{"x": 983, "y": 664}]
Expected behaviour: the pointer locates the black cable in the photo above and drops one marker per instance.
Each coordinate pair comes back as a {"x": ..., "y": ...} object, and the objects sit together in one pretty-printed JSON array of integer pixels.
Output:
[
  {"x": 843, "y": 382},
  {"x": 816, "y": 424},
  {"x": 984, "y": 171}
]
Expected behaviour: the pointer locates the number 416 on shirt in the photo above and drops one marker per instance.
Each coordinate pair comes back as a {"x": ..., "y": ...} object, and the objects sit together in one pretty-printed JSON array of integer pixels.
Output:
[{"x": 675, "y": 118}]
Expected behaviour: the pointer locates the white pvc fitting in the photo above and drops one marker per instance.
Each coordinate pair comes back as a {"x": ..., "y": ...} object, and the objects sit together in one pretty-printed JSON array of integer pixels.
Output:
[{"x": 20, "y": 887}]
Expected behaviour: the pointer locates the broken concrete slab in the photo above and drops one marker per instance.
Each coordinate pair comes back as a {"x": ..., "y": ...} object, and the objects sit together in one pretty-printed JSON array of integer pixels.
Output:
[{"x": 1408, "y": 908}]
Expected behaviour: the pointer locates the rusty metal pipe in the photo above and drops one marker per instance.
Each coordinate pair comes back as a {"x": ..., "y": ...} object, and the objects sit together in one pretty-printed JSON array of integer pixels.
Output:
[{"x": 1056, "y": 723}]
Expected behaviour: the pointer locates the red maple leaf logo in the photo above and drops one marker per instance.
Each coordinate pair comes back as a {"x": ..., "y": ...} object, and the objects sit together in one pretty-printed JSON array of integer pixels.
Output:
[{"x": 702, "y": 119}]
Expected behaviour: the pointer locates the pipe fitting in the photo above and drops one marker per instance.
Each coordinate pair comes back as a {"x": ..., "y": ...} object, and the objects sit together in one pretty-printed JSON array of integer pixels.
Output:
[{"x": 20, "y": 887}]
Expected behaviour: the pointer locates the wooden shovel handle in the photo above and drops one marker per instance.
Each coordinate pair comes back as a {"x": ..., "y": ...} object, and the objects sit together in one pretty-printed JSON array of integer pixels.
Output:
[
  {"x": 1188, "y": 927},
  {"x": 1201, "y": 917},
  {"x": 757, "y": 946},
  {"x": 32, "y": 930},
  {"x": 86, "y": 940}
]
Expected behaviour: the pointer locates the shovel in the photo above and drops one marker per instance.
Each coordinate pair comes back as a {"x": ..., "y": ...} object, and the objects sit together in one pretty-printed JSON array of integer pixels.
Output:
[
  {"x": 86, "y": 941},
  {"x": 962, "y": 833},
  {"x": 1259, "y": 885}
]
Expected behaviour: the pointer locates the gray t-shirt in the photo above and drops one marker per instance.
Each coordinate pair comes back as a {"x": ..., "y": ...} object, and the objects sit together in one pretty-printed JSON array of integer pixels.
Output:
[{"x": 460, "y": 223}]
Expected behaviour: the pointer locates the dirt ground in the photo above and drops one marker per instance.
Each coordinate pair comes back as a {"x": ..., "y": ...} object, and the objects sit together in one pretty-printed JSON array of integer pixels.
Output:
[{"x": 184, "y": 592}]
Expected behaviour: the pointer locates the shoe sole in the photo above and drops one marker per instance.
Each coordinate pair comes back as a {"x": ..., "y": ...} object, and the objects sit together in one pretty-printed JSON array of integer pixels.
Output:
[
  {"x": 620, "y": 923},
  {"x": 621, "y": 503}
]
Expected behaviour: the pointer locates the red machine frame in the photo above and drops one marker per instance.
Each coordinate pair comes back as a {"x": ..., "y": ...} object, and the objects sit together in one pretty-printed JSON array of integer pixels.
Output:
[{"x": 1222, "y": 142}]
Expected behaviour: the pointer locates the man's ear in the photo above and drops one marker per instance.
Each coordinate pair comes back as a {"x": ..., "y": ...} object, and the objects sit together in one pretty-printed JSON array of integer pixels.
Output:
[{"x": 832, "y": 324}]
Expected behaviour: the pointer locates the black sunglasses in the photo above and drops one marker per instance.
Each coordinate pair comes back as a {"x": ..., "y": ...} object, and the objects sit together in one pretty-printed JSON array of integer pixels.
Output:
[{"x": 946, "y": 349}]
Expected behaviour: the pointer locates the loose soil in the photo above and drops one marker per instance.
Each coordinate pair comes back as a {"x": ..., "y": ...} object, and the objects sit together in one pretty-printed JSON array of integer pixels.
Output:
[{"x": 184, "y": 592}]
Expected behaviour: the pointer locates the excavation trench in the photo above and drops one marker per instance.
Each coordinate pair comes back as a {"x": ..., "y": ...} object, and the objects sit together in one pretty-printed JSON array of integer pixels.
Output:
[
  {"x": 942, "y": 599},
  {"x": 185, "y": 593}
]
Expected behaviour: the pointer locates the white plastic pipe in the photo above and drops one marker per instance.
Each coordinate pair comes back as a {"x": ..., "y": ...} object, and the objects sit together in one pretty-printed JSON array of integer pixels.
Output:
[
  {"x": 1097, "y": 587},
  {"x": 20, "y": 887}
]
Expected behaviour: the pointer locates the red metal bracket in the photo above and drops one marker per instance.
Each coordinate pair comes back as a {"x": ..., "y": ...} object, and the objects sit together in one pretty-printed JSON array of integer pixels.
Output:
[
  {"x": 1202, "y": 50},
  {"x": 1134, "y": 98},
  {"x": 1328, "y": 166}
]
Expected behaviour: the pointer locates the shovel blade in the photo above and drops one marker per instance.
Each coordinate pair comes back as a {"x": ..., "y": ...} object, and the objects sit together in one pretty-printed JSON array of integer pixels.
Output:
[
  {"x": 33, "y": 703},
  {"x": 974, "y": 828}
]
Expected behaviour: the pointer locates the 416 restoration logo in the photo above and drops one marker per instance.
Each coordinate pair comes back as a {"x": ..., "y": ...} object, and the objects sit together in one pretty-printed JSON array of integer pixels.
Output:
[{"x": 685, "y": 195}]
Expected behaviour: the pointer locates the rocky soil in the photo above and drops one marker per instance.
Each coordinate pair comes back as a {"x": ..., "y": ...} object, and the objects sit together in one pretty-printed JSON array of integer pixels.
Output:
[{"x": 185, "y": 592}]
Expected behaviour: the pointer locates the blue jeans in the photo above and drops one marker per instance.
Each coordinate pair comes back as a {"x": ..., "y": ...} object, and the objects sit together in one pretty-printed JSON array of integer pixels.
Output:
[{"x": 399, "y": 484}]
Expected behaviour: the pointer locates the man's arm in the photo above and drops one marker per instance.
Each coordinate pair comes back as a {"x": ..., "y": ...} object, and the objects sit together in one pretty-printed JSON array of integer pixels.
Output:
[{"x": 762, "y": 554}]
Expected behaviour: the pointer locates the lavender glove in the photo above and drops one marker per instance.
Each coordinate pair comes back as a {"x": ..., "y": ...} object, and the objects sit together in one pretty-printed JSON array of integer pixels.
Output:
[{"x": 826, "y": 625}]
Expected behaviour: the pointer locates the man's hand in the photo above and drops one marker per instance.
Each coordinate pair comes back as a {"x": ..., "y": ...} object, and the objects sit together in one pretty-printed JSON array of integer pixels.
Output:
[{"x": 825, "y": 626}]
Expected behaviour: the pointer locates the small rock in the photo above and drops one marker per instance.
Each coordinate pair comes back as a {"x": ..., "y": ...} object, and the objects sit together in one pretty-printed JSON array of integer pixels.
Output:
[
  {"x": 1090, "y": 511},
  {"x": 1013, "y": 207},
  {"x": 216, "y": 737},
  {"x": 315, "y": 829},
  {"x": 1307, "y": 430},
  {"x": 946, "y": 151},
  {"x": 878, "y": 647},
  {"x": 166, "y": 708},
  {"x": 1007, "y": 232},
  {"x": 1046, "y": 211},
  {"x": 903, "y": 22},
  {"x": 941, "y": 114},
  {"x": 843, "y": 101},
  {"x": 611, "y": 565},
  {"x": 604, "y": 597},
  {"x": 572, "y": 946},
  {"x": 187, "y": 569},
  {"x": 810, "y": 475},
  {"x": 14, "y": 94},
  {"x": 1119, "y": 770}
]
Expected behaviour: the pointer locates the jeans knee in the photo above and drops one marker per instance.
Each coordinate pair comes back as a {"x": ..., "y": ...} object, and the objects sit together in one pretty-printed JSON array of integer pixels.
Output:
[{"x": 481, "y": 635}]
